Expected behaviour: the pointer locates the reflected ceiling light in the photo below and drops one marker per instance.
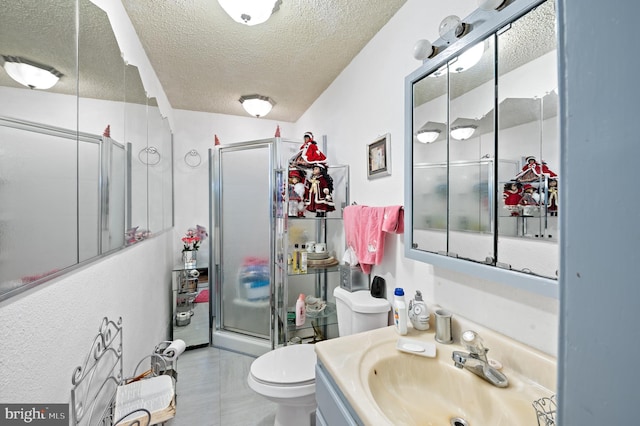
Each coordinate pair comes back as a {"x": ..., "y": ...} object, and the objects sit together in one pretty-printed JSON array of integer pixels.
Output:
[
  {"x": 250, "y": 12},
  {"x": 468, "y": 59},
  {"x": 257, "y": 105},
  {"x": 31, "y": 74},
  {"x": 427, "y": 136},
  {"x": 491, "y": 4},
  {"x": 462, "y": 63},
  {"x": 463, "y": 132}
]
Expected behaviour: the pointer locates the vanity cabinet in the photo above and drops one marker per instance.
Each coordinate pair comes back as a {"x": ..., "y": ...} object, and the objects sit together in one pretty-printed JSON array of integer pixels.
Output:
[
  {"x": 322, "y": 273},
  {"x": 333, "y": 408}
]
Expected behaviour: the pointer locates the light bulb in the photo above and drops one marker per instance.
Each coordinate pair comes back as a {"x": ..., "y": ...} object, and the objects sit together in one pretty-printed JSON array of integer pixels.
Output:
[
  {"x": 423, "y": 49},
  {"x": 451, "y": 28}
]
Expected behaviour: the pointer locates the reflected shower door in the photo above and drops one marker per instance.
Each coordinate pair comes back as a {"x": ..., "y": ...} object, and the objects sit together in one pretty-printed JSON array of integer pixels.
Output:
[{"x": 245, "y": 238}]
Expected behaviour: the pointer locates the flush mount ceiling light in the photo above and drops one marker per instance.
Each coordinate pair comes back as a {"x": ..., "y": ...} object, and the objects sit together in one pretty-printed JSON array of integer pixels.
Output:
[
  {"x": 250, "y": 12},
  {"x": 463, "y": 132},
  {"x": 427, "y": 136},
  {"x": 257, "y": 105},
  {"x": 31, "y": 74}
]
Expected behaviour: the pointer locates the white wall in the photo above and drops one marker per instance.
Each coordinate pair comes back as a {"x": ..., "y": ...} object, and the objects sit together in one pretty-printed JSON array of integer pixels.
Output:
[
  {"x": 196, "y": 130},
  {"x": 365, "y": 101},
  {"x": 47, "y": 331}
]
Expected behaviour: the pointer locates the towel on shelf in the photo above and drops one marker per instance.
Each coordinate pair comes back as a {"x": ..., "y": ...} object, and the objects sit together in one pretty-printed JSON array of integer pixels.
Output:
[
  {"x": 364, "y": 231},
  {"x": 202, "y": 297}
]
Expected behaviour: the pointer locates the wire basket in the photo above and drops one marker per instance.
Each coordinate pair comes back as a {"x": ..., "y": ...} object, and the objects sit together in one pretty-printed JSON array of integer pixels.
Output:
[{"x": 546, "y": 411}]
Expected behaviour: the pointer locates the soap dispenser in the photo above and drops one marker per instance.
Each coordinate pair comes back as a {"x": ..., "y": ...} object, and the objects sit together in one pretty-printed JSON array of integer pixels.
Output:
[{"x": 418, "y": 312}]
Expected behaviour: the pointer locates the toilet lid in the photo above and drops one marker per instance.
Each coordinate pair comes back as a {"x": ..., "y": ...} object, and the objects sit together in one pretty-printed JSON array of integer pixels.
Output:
[{"x": 287, "y": 365}]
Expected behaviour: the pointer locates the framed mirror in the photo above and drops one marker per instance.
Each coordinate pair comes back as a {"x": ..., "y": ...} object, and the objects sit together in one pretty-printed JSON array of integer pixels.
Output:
[{"x": 482, "y": 121}]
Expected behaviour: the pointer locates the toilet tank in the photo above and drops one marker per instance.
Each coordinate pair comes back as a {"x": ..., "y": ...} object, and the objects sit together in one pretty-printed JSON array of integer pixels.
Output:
[{"x": 359, "y": 311}]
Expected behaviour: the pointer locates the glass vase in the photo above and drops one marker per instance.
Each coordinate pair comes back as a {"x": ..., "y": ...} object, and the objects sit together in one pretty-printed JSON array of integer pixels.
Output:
[{"x": 189, "y": 258}]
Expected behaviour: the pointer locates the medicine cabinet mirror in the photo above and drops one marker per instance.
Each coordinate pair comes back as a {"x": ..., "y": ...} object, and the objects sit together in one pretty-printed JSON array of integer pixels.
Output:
[
  {"x": 482, "y": 145},
  {"x": 69, "y": 186}
]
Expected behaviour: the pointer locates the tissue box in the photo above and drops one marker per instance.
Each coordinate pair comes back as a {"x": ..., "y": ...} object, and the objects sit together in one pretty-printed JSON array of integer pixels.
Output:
[{"x": 353, "y": 279}]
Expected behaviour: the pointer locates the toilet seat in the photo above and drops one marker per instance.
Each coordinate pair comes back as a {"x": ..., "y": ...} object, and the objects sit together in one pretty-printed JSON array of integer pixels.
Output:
[{"x": 292, "y": 365}]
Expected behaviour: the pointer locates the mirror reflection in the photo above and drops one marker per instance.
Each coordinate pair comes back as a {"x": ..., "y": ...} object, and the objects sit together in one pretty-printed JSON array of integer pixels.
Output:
[
  {"x": 486, "y": 148},
  {"x": 68, "y": 192}
]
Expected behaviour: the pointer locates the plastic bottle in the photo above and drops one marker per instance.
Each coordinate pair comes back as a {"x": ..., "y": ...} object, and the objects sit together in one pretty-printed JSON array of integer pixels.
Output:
[
  {"x": 418, "y": 312},
  {"x": 301, "y": 311},
  {"x": 303, "y": 261},
  {"x": 400, "y": 311},
  {"x": 296, "y": 259}
]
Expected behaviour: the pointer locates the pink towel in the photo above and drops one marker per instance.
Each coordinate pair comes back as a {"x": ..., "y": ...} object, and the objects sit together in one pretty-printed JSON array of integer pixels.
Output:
[
  {"x": 202, "y": 297},
  {"x": 393, "y": 220},
  {"x": 364, "y": 230}
]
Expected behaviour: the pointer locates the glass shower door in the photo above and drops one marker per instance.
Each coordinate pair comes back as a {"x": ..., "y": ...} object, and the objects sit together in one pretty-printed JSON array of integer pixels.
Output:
[{"x": 244, "y": 220}]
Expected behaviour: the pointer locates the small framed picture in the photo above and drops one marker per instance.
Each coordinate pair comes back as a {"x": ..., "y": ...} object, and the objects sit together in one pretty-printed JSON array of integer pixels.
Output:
[{"x": 379, "y": 157}]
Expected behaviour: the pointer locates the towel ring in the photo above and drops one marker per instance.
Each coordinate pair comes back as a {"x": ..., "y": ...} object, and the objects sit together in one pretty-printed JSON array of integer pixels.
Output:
[
  {"x": 193, "y": 158},
  {"x": 152, "y": 152}
]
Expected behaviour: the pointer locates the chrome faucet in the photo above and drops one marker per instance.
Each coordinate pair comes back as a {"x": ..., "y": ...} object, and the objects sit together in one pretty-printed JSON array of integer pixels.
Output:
[{"x": 476, "y": 360}]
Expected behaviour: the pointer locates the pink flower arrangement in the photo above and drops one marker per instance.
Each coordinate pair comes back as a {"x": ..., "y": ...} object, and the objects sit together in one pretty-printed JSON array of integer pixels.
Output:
[{"x": 194, "y": 237}]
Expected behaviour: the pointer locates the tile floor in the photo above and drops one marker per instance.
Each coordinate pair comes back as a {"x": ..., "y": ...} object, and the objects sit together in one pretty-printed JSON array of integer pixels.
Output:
[{"x": 212, "y": 390}]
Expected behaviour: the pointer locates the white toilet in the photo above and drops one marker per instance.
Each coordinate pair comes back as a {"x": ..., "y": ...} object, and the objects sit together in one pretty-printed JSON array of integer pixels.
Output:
[{"x": 286, "y": 375}]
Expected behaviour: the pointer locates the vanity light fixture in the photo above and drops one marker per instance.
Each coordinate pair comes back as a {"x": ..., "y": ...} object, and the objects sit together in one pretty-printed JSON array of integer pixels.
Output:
[
  {"x": 257, "y": 105},
  {"x": 427, "y": 136},
  {"x": 463, "y": 132},
  {"x": 31, "y": 74},
  {"x": 250, "y": 12}
]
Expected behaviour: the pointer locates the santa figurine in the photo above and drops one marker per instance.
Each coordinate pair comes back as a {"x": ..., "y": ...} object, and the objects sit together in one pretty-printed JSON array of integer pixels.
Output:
[
  {"x": 534, "y": 171},
  {"x": 318, "y": 196},
  {"x": 309, "y": 154},
  {"x": 528, "y": 198},
  {"x": 296, "y": 193},
  {"x": 511, "y": 195}
]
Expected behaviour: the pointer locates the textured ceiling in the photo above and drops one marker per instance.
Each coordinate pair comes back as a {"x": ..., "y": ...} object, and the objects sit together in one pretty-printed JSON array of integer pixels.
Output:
[{"x": 206, "y": 61}]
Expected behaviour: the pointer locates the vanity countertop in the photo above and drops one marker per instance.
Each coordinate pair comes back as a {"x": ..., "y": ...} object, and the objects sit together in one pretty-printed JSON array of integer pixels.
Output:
[{"x": 349, "y": 358}]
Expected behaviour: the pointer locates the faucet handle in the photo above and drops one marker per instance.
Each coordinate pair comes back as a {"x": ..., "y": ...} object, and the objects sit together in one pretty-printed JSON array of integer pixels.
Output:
[{"x": 474, "y": 343}]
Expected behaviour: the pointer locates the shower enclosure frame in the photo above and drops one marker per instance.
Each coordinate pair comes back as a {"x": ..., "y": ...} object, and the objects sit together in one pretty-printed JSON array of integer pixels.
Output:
[{"x": 223, "y": 269}]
